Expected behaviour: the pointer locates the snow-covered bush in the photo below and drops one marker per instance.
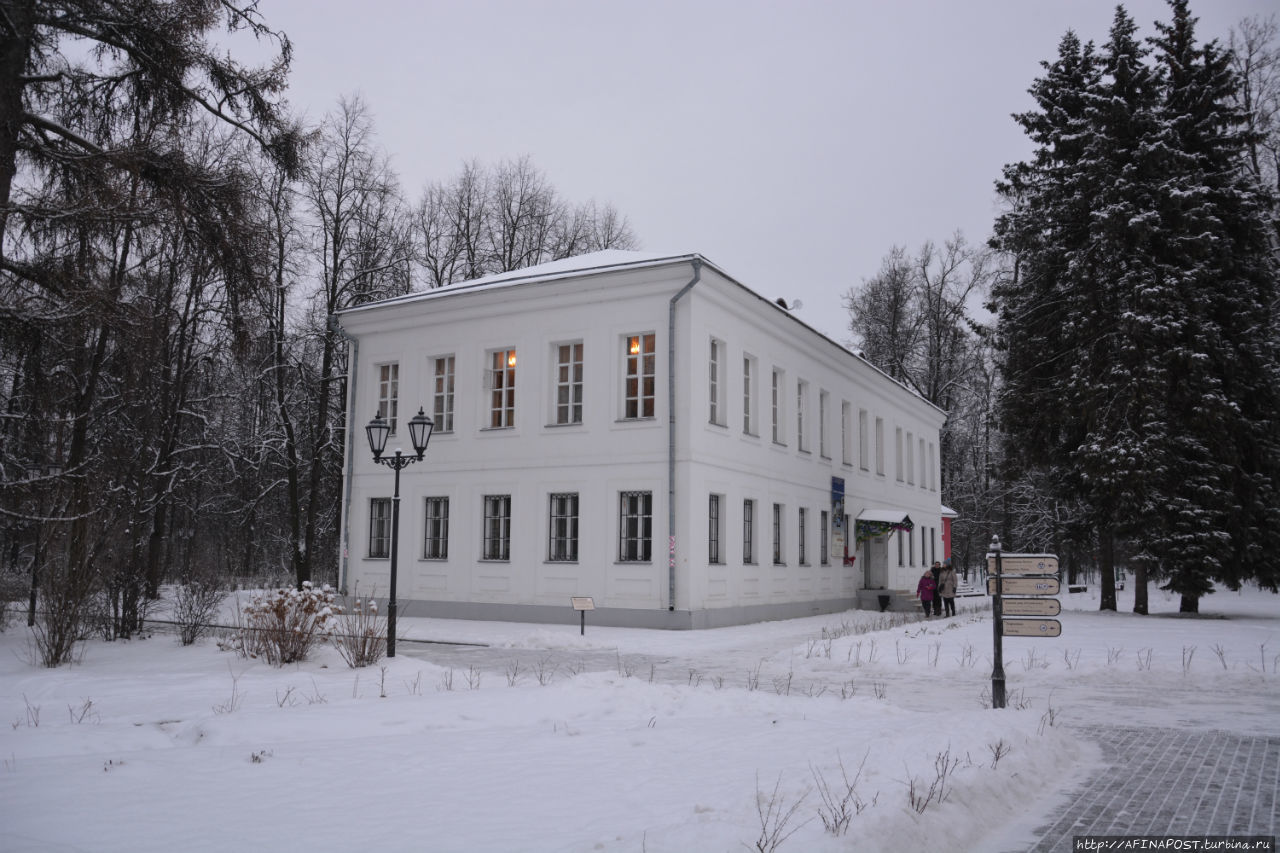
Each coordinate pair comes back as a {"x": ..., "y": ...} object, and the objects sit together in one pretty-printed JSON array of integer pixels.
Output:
[
  {"x": 361, "y": 634},
  {"x": 195, "y": 602},
  {"x": 283, "y": 625}
]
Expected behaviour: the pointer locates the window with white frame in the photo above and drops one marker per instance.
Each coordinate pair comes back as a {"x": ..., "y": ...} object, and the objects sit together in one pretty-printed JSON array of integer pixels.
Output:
[
  {"x": 562, "y": 528},
  {"x": 777, "y": 535},
  {"x": 802, "y": 537},
  {"x": 502, "y": 388},
  {"x": 442, "y": 393},
  {"x": 715, "y": 382},
  {"x": 635, "y": 527},
  {"x": 497, "y": 527},
  {"x": 864, "y": 441},
  {"x": 880, "y": 446},
  {"x": 640, "y": 376},
  {"x": 802, "y": 408},
  {"x": 779, "y": 437},
  {"x": 846, "y": 433},
  {"x": 933, "y": 469},
  {"x": 389, "y": 393},
  {"x": 911, "y": 460},
  {"x": 933, "y": 544},
  {"x": 715, "y": 554},
  {"x": 823, "y": 450},
  {"x": 748, "y": 531},
  {"x": 748, "y": 395},
  {"x": 824, "y": 548},
  {"x": 897, "y": 454},
  {"x": 435, "y": 535},
  {"x": 569, "y": 383},
  {"x": 921, "y": 457},
  {"x": 380, "y": 527}
]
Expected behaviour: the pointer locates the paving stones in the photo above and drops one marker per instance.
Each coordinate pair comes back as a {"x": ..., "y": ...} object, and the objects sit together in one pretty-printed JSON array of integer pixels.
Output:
[{"x": 1172, "y": 783}]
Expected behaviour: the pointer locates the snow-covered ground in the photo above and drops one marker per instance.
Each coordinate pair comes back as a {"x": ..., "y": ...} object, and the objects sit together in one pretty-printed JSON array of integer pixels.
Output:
[{"x": 619, "y": 740}]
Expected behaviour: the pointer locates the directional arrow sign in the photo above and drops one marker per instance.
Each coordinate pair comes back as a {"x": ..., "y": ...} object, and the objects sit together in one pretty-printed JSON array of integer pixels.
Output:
[
  {"x": 1024, "y": 564},
  {"x": 1025, "y": 586},
  {"x": 1032, "y": 607},
  {"x": 1031, "y": 628}
]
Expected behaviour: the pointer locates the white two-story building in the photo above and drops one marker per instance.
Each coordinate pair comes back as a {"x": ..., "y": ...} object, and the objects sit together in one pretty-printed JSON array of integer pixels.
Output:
[{"x": 637, "y": 428}]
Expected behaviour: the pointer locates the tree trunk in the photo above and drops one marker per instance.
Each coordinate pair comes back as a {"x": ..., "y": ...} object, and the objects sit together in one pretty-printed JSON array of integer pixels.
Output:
[
  {"x": 1140, "y": 588},
  {"x": 1189, "y": 604},
  {"x": 1107, "y": 555}
]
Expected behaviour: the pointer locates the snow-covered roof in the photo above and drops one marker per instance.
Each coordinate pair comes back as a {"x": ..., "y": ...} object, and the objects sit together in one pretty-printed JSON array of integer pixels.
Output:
[
  {"x": 608, "y": 260},
  {"x": 885, "y": 516},
  {"x": 588, "y": 264}
]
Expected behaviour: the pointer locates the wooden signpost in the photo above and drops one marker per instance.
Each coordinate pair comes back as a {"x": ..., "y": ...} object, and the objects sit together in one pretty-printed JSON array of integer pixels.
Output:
[
  {"x": 1031, "y": 627},
  {"x": 1024, "y": 586},
  {"x": 1021, "y": 575}
]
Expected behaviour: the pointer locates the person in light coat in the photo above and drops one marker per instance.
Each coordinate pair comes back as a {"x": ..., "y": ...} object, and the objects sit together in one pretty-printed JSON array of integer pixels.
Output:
[{"x": 947, "y": 582}]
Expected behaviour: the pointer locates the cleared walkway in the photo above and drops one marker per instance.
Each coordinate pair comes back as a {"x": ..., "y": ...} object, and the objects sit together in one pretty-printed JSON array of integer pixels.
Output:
[{"x": 1172, "y": 783}]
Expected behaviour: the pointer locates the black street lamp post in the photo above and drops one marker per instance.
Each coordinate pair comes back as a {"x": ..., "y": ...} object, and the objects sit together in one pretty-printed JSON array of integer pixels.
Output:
[{"x": 419, "y": 434}]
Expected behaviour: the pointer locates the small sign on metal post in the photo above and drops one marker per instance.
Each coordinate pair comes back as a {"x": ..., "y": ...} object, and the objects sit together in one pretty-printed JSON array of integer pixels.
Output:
[
  {"x": 1024, "y": 586},
  {"x": 1031, "y": 627},
  {"x": 582, "y": 604},
  {"x": 1020, "y": 575}
]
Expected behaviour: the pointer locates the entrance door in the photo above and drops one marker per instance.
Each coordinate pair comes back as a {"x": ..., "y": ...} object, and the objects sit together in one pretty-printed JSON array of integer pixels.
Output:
[{"x": 876, "y": 562}]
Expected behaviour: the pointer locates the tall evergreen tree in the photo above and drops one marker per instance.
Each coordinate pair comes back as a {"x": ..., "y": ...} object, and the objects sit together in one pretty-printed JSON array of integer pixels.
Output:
[{"x": 1137, "y": 356}]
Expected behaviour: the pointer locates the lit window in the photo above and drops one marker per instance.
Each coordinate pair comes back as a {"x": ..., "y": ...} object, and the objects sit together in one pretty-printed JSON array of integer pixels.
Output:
[
  {"x": 641, "y": 367},
  {"x": 502, "y": 389}
]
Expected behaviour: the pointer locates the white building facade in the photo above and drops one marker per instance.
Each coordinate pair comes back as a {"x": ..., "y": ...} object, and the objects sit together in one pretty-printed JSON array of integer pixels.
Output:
[{"x": 640, "y": 429}]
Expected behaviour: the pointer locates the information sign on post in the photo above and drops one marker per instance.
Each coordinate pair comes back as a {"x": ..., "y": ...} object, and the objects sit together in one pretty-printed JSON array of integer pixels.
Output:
[
  {"x": 1024, "y": 586},
  {"x": 1024, "y": 564},
  {"x": 582, "y": 604},
  {"x": 1031, "y": 627},
  {"x": 1032, "y": 607}
]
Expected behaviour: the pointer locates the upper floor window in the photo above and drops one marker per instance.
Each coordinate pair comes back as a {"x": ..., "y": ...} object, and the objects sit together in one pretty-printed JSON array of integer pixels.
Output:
[
  {"x": 846, "y": 433},
  {"x": 389, "y": 393},
  {"x": 748, "y": 395},
  {"x": 933, "y": 467},
  {"x": 775, "y": 404},
  {"x": 442, "y": 393},
  {"x": 823, "y": 450},
  {"x": 880, "y": 446},
  {"x": 640, "y": 380},
  {"x": 897, "y": 454},
  {"x": 802, "y": 404},
  {"x": 435, "y": 545},
  {"x": 569, "y": 383},
  {"x": 911, "y": 460},
  {"x": 502, "y": 388},
  {"x": 864, "y": 441},
  {"x": 562, "y": 528},
  {"x": 715, "y": 381},
  {"x": 923, "y": 483}
]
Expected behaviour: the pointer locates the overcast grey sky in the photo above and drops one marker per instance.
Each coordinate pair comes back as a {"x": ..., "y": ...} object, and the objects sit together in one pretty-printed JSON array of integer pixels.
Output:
[{"x": 792, "y": 143}]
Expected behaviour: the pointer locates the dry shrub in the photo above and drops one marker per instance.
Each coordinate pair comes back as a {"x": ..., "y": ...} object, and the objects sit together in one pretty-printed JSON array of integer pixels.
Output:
[
  {"x": 361, "y": 634},
  {"x": 282, "y": 626}
]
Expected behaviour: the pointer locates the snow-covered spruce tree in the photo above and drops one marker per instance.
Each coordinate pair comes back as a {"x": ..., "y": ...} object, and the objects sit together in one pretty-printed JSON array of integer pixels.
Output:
[
  {"x": 1043, "y": 305},
  {"x": 1140, "y": 354},
  {"x": 1223, "y": 518}
]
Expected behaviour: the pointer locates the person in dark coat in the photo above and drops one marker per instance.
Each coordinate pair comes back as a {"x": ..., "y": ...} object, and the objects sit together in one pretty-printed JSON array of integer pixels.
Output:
[
  {"x": 927, "y": 589},
  {"x": 936, "y": 571}
]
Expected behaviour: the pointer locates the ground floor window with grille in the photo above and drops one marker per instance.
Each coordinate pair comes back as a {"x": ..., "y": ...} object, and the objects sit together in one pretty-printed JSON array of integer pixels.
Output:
[
  {"x": 380, "y": 527},
  {"x": 777, "y": 535},
  {"x": 748, "y": 531},
  {"x": 635, "y": 527},
  {"x": 497, "y": 527},
  {"x": 824, "y": 550},
  {"x": 562, "y": 534},
  {"x": 435, "y": 544},
  {"x": 713, "y": 530}
]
